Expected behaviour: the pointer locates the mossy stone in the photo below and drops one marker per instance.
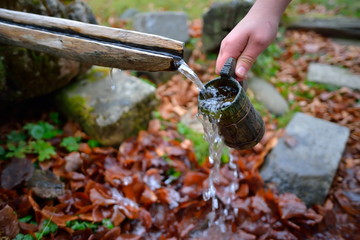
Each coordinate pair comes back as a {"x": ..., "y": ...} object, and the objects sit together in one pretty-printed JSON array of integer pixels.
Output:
[
  {"x": 111, "y": 108},
  {"x": 26, "y": 74}
]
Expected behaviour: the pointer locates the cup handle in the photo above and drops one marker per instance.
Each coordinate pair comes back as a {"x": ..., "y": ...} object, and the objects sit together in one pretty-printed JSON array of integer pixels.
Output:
[{"x": 228, "y": 71}]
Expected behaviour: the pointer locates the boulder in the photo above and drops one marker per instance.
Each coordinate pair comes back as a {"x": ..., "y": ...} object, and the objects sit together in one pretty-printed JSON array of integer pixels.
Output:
[
  {"x": 27, "y": 74},
  {"x": 333, "y": 27},
  {"x": 128, "y": 14},
  {"x": 328, "y": 74},
  {"x": 219, "y": 20},
  {"x": 110, "y": 108},
  {"x": 45, "y": 184},
  {"x": 24, "y": 169},
  {"x": 305, "y": 160},
  {"x": 168, "y": 24},
  {"x": 192, "y": 122},
  {"x": 346, "y": 42},
  {"x": 268, "y": 95}
]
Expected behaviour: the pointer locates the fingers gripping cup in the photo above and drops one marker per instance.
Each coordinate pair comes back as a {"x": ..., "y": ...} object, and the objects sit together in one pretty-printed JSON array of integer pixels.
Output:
[{"x": 225, "y": 102}]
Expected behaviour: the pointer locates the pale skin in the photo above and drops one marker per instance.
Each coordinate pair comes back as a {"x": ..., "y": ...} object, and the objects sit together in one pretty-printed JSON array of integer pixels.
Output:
[{"x": 251, "y": 36}]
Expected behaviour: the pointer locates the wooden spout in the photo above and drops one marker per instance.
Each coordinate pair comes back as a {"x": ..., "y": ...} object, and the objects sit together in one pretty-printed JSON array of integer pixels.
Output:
[{"x": 89, "y": 43}]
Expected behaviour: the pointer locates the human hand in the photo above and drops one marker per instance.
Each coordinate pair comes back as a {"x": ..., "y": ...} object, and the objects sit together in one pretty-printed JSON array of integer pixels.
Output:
[{"x": 251, "y": 36}]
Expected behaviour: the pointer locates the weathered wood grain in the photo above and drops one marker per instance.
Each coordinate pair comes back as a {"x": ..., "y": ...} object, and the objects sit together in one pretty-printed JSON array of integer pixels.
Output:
[
  {"x": 84, "y": 50},
  {"x": 94, "y": 44}
]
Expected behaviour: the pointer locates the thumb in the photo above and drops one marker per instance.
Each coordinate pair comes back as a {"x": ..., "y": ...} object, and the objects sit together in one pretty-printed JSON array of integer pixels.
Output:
[{"x": 243, "y": 66}]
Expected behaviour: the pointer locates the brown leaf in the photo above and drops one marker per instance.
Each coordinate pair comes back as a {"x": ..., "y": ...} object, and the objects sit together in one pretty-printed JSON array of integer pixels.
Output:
[
  {"x": 291, "y": 206},
  {"x": 85, "y": 148},
  {"x": 154, "y": 126},
  {"x": 8, "y": 222},
  {"x": 290, "y": 141},
  {"x": 73, "y": 161},
  {"x": 169, "y": 196},
  {"x": 145, "y": 218},
  {"x": 243, "y": 190},
  {"x": 193, "y": 177},
  {"x": 112, "y": 234},
  {"x": 148, "y": 197}
]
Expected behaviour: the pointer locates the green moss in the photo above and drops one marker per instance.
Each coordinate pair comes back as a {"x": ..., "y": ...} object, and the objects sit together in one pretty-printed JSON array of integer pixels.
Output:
[
  {"x": 321, "y": 86},
  {"x": 106, "y": 8},
  {"x": 148, "y": 82},
  {"x": 259, "y": 106},
  {"x": 285, "y": 119},
  {"x": 96, "y": 73},
  {"x": 201, "y": 147},
  {"x": 266, "y": 65},
  {"x": 75, "y": 106},
  {"x": 78, "y": 104}
]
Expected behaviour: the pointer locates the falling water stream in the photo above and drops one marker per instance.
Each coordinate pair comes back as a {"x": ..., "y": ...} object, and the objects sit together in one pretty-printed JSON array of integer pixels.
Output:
[
  {"x": 216, "y": 149},
  {"x": 112, "y": 82}
]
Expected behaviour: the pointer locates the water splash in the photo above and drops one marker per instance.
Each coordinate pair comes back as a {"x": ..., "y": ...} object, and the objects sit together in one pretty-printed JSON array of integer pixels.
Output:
[{"x": 216, "y": 147}]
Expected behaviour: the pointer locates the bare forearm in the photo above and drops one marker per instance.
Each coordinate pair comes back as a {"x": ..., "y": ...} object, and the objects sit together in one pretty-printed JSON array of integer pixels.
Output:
[{"x": 274, "y": 8}]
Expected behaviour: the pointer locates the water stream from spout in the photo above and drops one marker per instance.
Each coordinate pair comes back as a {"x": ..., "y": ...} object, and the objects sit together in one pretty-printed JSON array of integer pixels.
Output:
[
  {"x": 216, "y": 149},
  {"x": 112, "y": 82},
  {"x": 185, "y": 70}
]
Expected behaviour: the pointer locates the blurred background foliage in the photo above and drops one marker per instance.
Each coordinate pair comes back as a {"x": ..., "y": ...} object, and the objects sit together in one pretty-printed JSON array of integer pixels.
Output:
[{"x": 195, "y": 9}]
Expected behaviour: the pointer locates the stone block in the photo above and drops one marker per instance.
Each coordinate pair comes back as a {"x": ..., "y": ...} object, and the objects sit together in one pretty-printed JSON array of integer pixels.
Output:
[
  {"x": 269, "y": 96},
  {"x": 167, "y": 24},
  {"x": 109, "y": 108},
  {"x": 220, "y": 19},
  {"x": 305, "y": 160},
  {"x": 328, "y": 74},
  {"x": 45, "y": 184}
]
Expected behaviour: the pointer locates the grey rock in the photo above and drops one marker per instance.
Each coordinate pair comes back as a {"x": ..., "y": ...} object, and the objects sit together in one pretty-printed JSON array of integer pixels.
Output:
[
  {"x": 129, "y": 14},
  {"x": 192, "y": 122},
  {"x": 157, "y": 77},
  {"x": 22, "y": 167},
  {"x": 346, "y": 42},
  {"x": 110, "y": 109},
  {"x": 220, "y": 19},
  {"x": 45, "y": 184},
  {"x": 268, "y": 96},
  {"x": 333, "y": 27},
  {"x": 305, "y": 160},
  {"x": 167, "y": 24},
  {"x": 327, "y": 74},
  {"x": 80, "y": 11}
]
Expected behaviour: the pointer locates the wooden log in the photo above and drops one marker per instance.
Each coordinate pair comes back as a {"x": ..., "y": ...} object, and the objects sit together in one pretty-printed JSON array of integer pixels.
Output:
[{"x": 89, "y": 43}]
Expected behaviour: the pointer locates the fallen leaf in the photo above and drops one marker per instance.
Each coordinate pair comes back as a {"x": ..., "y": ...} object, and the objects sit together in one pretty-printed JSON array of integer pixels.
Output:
[{"x": 9, "y": 226}]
